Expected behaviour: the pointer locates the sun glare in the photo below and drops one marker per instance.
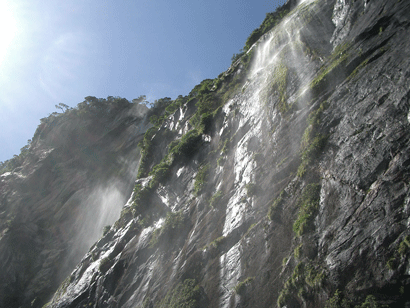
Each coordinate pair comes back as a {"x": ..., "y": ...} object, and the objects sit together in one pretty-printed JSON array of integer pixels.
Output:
[{"x": 7, "y": 29}]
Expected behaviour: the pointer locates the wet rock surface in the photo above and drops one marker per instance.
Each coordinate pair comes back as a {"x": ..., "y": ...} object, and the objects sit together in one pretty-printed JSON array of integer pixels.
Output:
[{"x": 296, "y": 192}]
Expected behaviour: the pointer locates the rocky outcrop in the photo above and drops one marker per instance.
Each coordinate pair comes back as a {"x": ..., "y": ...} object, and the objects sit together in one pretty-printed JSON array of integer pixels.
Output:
[
  {"x": 77, "y": 175},
  {"x": 283, "y": 182}
]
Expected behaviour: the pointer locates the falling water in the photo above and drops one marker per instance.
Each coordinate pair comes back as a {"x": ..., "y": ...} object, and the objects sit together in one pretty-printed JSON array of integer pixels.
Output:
[
  {"x": 279, "y": 56},
  {"x": 98, "y": 207}
]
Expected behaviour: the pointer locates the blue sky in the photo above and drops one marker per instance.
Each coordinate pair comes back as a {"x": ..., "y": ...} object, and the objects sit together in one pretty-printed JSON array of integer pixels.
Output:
[{"x": 54, "y": 51}]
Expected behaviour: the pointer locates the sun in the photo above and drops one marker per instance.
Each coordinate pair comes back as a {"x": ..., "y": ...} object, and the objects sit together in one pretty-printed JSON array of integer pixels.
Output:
[{"x": 8, "y": 29}]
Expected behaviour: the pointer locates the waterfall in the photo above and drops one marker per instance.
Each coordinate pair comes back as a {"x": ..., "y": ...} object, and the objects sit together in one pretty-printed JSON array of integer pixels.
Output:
[{"x": 280, "y": 56}]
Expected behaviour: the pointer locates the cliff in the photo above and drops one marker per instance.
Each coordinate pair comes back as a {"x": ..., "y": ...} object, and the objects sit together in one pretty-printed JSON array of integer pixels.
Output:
[
  {"x": 76, "y": 176},
  {"x": 283, "y": 182}
]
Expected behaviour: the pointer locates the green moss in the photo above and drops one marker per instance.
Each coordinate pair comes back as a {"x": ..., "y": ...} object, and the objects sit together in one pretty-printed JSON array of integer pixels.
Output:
[
  {"x": 282, "y": 162},
  {"x": 306, "y": 138},
  {"x": 146, "y": 152},
  {"x": 404, "y": 246},
  {"x": 160, "y": 173},
  {"x": 17, "y": 160},
  {"x": 240, "y": 288},
  {"x": 215, "y": 198},
  {"x": 277, "y": 85},
  {"x": 106, "y": 229},
  {"x": 200, "y": 179},
  {"x": 302, "y": 169},
  {"x": 339, "y": 301},
  {"x": 188, "y": 144},
  {"x": 281, "y": 78},
  {"x": 174, "y": 221},
  {"x": 220, "y": 161},
  {"x": 270, "y": 21},
  {"x": 105, "y": 264},
  {"x": 401, "y": 290},
  {"x": 311, "y": 150},
  {"x": 246, "y": 59},
  {"x": 401, "y": 251},
  {"x": 209, "y": 100},
  {"x": 314, "y": 278},
  {"x": 249, "y": 230},
  {"x": 312, "y": 142},
  {"x": 304, "y": 281},
  {"x": 314, "y": 117},
  {"x": 225, "y": 146},
  {"x": 294, "y": 283},
  {"x": 335, "y": 301},
  {"x": 275, "y": 205},
  {"x": 251, "y": 189},
  {"x": 283, "y": 297},
  {"x": 338, "y": 57},
  {"x": 214, "y": 247},
  {"x": 357, "y": 69},
  {"x": 308, "y": 206},
  {"x": 314, "y": 148},
  {"x": 147, "y": 303},
  {"x": 370, "y": 302},
  {"x": 297, "y": 251},
  {"x": 217, "y": 242},
  {"x": 186, "y": 294},
  {"x": 186, "y": 147}
]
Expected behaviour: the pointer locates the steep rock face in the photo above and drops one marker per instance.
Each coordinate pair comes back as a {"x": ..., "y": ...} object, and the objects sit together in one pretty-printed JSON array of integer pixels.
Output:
[
  {"x": 77, "y": 175},
  {"x": 285, "y": 181}
]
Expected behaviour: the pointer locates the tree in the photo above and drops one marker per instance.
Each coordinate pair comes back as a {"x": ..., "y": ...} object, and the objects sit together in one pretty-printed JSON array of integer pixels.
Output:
[{"x": 140, "y": 100}]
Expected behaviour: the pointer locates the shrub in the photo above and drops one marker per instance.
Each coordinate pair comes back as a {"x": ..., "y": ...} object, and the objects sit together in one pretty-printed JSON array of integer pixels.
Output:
[
  {"x": 186, "y": 294},
  {"x": 237, "y": 56},
  {"x": 304, "y": 280},
  {"x": 217, "y": 242},
  {"x": 105, "y": 264},
  {"x": 188, "y": 145},
  {"x": 146, "y": 152},
  {"x": 173, "y": 222},
  {"x": 215, "y": 198},
  {"x": 338, "y": 301},
  {"x": 275, "y": 205},
  {"x": 334, "y": 301},
  {"x": 338, "y": 57},
  {"x": 270, "y": 21},
  {"x": 308, "y": 206},
  {"x": 200, "y": 178},
  {"x": 215, "y": 245},
  {"x": 314, "y": 148},
  {"x": 141, "y": 197},
  {"x": 313, "y": 142},
  {"x": 16, "y": 161},
  {"x": 240, "y": 288},
  {"x": 160, "y": 173},
  {"x": 370, "y": 302},
  {"x": 106, "y": 229},
  {"x": 225, "y": 146},
  {"x": 250, "y": 189},
  {"x": 404, "y": 246},
  {"x": 297, "y": 252}
]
